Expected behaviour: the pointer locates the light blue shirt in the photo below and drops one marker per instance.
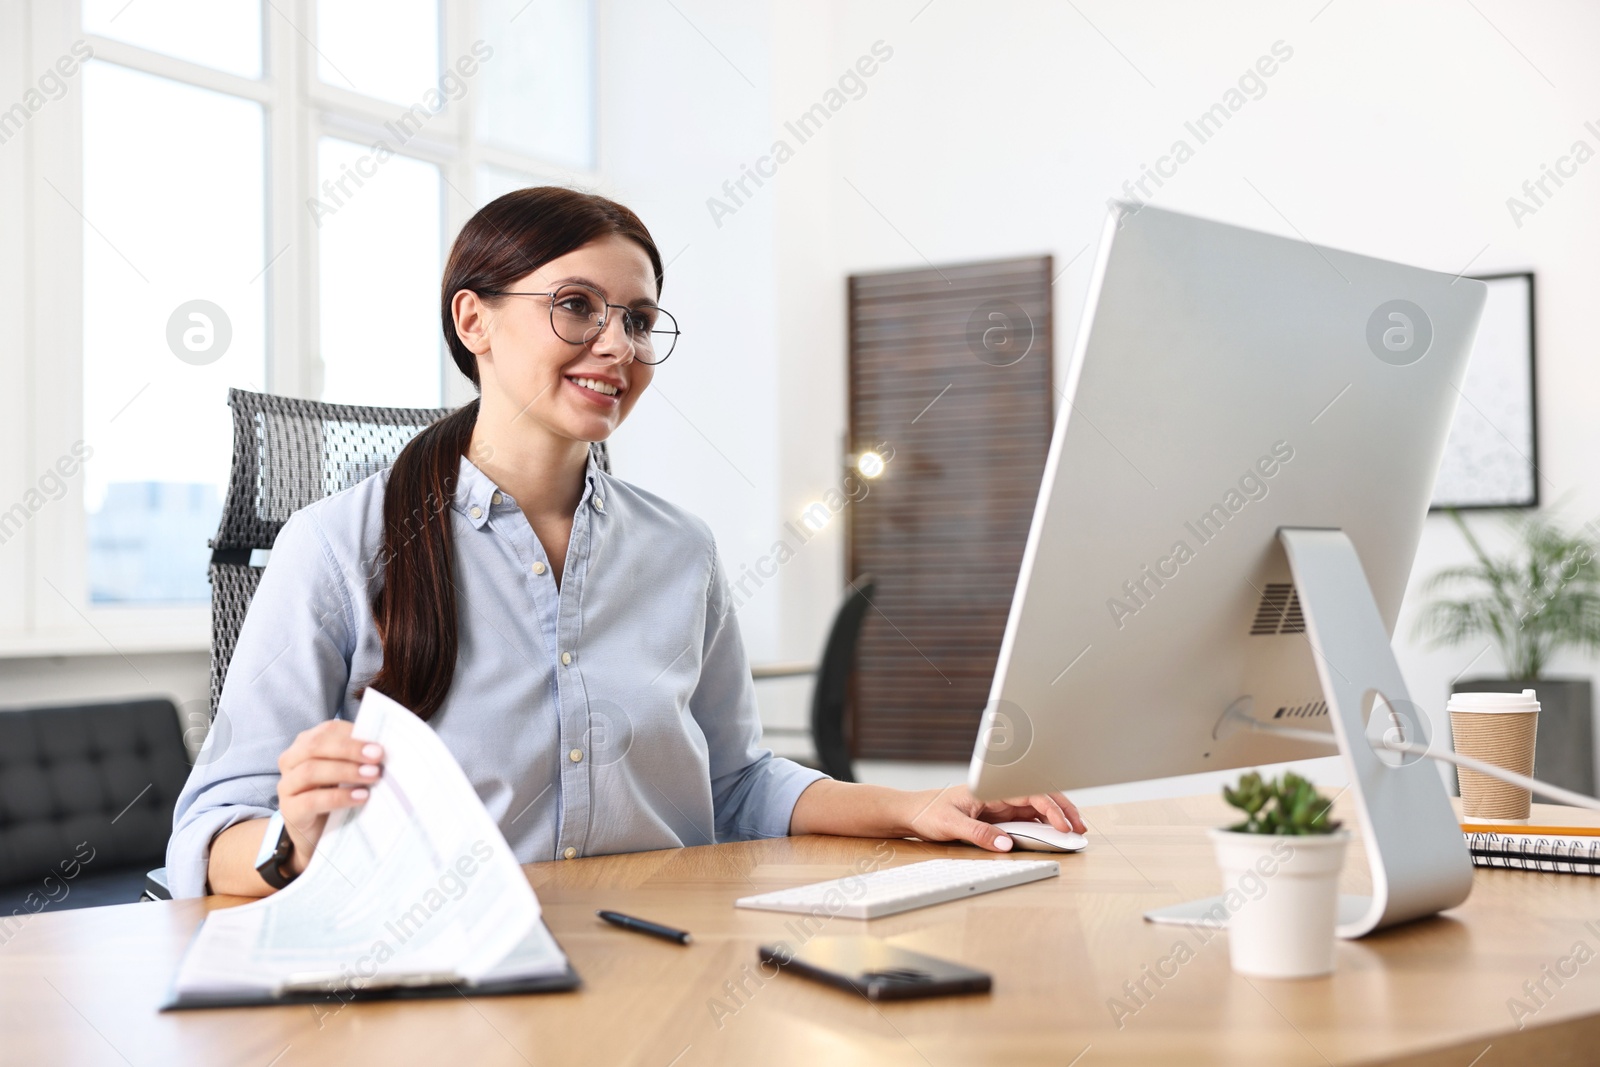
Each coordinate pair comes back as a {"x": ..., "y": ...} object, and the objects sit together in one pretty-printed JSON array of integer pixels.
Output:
[{"x": 613, "y": 714}]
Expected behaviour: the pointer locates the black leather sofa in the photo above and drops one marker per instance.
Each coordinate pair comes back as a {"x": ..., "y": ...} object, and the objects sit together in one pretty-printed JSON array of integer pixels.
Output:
[{"x": 86, "y": 799}]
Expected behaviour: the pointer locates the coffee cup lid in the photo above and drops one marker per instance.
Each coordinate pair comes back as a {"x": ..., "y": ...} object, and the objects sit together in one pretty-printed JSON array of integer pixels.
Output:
[{"x": 1494, "y": 703}]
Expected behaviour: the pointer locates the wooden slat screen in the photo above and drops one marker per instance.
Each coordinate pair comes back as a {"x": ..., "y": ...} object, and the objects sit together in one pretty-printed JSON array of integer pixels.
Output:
[{"x": 943, "y": 529}]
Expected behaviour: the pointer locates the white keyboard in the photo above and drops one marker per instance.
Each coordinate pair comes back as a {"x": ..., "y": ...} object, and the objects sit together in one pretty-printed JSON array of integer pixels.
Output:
[{"x": 895, "y": 889}]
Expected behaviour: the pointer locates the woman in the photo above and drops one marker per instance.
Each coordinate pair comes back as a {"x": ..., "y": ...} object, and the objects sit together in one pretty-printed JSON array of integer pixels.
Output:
[{"x": 568, "y": 635}]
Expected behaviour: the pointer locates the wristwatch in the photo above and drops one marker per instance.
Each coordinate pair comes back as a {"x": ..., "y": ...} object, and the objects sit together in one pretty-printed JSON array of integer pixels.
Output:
[{"x": 276, "y": 848}]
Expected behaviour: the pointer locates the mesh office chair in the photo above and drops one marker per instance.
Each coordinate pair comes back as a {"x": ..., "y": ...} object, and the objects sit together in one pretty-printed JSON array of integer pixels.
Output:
[{"x": 288, "y": 453}]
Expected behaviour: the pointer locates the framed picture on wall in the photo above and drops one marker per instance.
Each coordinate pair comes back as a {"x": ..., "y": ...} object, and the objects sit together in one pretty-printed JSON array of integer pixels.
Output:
[{"x": 1492, "y": 456}]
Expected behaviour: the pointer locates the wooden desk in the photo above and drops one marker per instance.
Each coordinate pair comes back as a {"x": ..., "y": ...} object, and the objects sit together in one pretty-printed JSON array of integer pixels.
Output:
[{"x": 82, "y": 987}]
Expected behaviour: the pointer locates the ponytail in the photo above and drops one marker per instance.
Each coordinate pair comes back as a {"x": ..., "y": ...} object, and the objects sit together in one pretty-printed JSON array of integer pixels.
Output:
[{"x": 416, "y": 607}]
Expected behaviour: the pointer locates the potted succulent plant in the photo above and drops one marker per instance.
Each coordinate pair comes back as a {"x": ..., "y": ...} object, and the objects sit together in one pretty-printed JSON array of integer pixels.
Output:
[
  {"x": 1540, "y": 598},
  {"x": 1280, "y": 867}
]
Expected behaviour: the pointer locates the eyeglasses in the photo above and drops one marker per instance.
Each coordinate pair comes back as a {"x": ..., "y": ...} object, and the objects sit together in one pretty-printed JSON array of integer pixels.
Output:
[{"x": 579, "y": 314}]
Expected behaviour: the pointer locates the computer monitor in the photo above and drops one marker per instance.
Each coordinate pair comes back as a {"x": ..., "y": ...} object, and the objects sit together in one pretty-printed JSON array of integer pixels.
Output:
[{"x": 1243, "y": 457}]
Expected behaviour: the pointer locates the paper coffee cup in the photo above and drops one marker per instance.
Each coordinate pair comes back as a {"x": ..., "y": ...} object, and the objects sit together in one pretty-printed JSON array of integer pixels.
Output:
[{"x": 1497, "y": 728}]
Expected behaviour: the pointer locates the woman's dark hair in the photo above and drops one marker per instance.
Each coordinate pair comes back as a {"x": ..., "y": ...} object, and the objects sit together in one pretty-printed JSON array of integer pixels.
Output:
[{"x": 415, "y": 608}]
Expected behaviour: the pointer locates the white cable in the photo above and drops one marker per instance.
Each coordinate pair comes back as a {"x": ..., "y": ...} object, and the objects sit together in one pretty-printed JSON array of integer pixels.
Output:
[
  {"x": 1521, "y": 781},
  {"x": 1554, "y": 792},
  {"x": 1298, "y": 735}
]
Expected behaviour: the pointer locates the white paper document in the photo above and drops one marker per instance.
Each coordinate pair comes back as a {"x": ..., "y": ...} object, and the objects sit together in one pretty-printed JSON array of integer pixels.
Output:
[{"x": 415, "y": 887}]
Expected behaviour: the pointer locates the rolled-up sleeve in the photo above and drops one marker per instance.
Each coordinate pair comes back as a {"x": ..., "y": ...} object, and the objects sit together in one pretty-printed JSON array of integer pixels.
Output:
[
  {"x": 290, "y": 670},
  {"x": 753, "y": 791}
]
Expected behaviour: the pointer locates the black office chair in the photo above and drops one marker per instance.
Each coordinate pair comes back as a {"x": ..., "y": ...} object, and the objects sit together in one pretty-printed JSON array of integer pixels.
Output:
[
  {"x": 833, "y": 679},
  {"x": 288, "y": 453},
  {"x": 86, "y": 795}
]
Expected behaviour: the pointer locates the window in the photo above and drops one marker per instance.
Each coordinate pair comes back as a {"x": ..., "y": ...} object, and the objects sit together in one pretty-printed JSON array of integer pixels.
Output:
[
  {"x": 172, "y": 315},
  {"x": 221, "y": 34},
  {"x": 379, "y": 262},
  {"x": 528, "y": 105},
  {"x": 227, "y": 199},
  {"x": 386, "y": 51}
]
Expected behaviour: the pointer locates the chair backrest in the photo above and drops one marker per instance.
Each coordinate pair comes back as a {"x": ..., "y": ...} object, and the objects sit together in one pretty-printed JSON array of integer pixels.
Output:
[
  {"x": 104, "y": 776},
  {"x": 829, "y": 698},
  {"x": 288, "y": 453}
]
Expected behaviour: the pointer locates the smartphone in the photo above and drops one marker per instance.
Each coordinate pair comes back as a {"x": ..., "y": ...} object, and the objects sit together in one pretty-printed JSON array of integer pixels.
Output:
[{"x": 876, "y": 969}]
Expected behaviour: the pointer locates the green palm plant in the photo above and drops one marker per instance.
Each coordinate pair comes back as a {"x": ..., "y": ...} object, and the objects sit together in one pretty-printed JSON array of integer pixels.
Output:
[{"x": 1540, "y": 598}]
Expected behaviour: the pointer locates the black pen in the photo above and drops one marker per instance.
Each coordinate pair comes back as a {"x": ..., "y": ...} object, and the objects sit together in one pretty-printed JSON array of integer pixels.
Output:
[{"x": 644, "y": 926}]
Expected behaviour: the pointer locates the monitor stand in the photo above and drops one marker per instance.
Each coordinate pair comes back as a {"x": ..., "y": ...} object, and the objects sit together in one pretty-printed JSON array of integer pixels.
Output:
[{"x": 1414, "y": 844}]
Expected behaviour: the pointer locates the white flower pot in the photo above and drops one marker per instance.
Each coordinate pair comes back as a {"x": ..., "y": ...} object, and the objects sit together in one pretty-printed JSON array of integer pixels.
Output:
[{"x": 1281, "y": 894}]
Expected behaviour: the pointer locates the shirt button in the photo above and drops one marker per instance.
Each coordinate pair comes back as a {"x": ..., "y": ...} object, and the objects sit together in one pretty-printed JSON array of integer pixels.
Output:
[
  {"x": 576, "y": 755},
  {"x": 476, "y": 512},
  {"x": 599, "y": 504},
  {"x": 538, "y": 566},
  {"x": 570, "y": 853},
  {"x": 566, "y": 659},
  {"x": 497, "y": 498}
]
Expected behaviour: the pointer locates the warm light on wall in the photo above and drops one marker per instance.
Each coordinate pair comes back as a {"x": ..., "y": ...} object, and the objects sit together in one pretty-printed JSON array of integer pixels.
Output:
[
  {"x": 816, "y": 516},
  {"x": 870, "y": 464}
]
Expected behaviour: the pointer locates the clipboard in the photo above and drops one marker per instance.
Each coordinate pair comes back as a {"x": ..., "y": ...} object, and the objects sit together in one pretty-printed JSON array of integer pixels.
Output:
[{"x": 422, "y": 987}]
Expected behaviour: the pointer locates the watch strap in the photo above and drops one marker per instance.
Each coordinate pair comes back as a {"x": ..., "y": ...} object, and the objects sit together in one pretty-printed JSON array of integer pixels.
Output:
[{"x": 276, "y": 848}]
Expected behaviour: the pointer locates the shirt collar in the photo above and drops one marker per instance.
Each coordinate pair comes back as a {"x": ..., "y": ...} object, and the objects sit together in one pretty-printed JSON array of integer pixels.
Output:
[
  {"x": 593, "y": 484},
  {"x": 476, "y": 492}
]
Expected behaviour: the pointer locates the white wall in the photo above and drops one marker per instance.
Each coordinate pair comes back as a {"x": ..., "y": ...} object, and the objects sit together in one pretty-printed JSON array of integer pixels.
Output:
[
  {"x": 182, "y": 677},
  {"x": 676, "y": 120},
  {"x": 1001, "y": 130}
]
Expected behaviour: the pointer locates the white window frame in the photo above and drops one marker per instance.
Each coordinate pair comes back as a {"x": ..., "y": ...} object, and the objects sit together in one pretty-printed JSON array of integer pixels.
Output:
[{"x": 44, "y": 604}]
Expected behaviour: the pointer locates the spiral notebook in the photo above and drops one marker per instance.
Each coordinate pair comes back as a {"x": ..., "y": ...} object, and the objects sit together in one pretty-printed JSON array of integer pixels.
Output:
[{"x": 1554, "y": 850}]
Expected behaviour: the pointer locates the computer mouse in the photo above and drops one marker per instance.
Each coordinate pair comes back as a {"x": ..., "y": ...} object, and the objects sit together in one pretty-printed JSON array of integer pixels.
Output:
[{"x": 1041, "y": 837}]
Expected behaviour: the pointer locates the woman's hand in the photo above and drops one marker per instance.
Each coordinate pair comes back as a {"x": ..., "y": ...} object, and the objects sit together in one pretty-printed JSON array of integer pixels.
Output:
[
  {"x": 954, "y": 814},
  {"x": 325, "y": 769},
  {"x": 850, "y": 809}
]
